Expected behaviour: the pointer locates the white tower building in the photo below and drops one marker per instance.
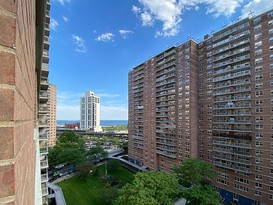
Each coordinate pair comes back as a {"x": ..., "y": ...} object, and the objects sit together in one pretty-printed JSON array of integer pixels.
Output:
[{"x": 90, "y": 112}]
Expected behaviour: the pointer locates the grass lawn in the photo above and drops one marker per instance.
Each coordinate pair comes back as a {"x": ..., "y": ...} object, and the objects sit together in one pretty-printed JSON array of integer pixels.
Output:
[{"x": 88, "y": 191}]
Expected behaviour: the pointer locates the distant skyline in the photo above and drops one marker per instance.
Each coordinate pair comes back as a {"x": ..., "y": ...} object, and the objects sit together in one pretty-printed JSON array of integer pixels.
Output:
[{"x": 93, "y": 44}]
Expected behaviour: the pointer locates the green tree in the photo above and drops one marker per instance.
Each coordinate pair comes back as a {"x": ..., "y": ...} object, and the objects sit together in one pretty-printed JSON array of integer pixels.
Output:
[
  {"x": 149, "y": 188},
  {"x": 194, "y": 171},
  {"x": 69, "y": 149},
  {"x": 70, "y": 136},
  {"x": 86, "y": 169},
  {"x": 115, "y": 141},
  {"x": 96, "y": 152},
  {"x": 109, "y": 195},
  {"x": 205, "y": 195}
]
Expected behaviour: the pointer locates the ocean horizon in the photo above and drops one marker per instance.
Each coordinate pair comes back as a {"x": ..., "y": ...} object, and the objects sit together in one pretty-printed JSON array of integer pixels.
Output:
[{"x": 102, "y": 122}]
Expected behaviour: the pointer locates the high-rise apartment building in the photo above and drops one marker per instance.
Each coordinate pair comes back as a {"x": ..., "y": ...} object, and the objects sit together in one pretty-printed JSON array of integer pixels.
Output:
[
  {"x": 90, "y": 112},
  {"x": 52, "y": 116},
  {"x": 24, "y": 71},
  {"x": 211, "y": 100}
]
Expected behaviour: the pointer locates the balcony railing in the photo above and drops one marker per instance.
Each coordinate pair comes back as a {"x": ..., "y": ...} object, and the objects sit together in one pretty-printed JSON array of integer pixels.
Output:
[
  {"x": 232, "y": 151},
  {"x": 44, "y": 177},
  {"x": 232, "y": 167},
  {"x": 44, "y": 150},
  {"x": 233, "y": 160},
  {"x": 231, "y": 144},
  {"x": 166, "y": 153},
  {"x": 44, "y": 164},
  {"x": 231, "y": 76}
]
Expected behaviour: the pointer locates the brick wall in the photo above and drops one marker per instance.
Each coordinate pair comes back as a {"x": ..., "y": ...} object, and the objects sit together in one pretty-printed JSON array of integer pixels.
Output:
[{"x": 17, "y": 101}]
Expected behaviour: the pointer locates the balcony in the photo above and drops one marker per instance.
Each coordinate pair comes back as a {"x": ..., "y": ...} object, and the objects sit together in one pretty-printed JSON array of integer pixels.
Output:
[
  {"x": 227, "y": 84},
  {"x": 44, "y": 192},
  {"x": 232, "y": 122},
  {"x": 43, "y": 121},
  {"x": 230, "y": 54},
  {"x": 232, "y": 113},
  {"x": 232, "y": 144},
  {"x": 43, "y": 136},
  {"x": 232, "y": 151},
  {"x": 231, "y": 38},
  {"x": 231, "y": 46},
  {"x": 229, "y": 68},
  {"x": 230, "y": 31},
  {"x": 44, "y": 164},
  {"x": 166, "y": 153},
  {"x": 233, "y": 75},
  {"x": 246, "y": 170},
  {"x": 230, "y": 106},
  {"x": 232, "y": 128},
  {"x": 44, "y": 150},
  {"x": 235, "y": 98},
  {"x": 233, "y": 160},
  {"x": 44, "y": 178}
]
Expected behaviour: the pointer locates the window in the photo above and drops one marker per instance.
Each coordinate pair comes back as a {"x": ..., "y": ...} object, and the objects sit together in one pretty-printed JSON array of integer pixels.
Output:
[
  {"x": 259, "y": 127},
  {"x": 258, "y": 52},
  {"x": 258, "y": 27},
  {"x": 259, "y": 110},
  {"x": 260, "y": 85},
  {"x": 257, "y": 36},
  {"x": 259, "y": 93},
  {"x": 256, "y": 20},
  {"x": 259, "y": 118},
  {"x": 258, "y": 60},
  {"x": 259, "y": 77},
  {"x": 271, "y": 48},
  {"x": 270, "y": 31},
  {"x": 258, "y": 185},
  {"x": 258, "y": 68},
  {"x": 259, "y": 144},
  {"x": 259, "y": 102},
  {"x": 258, "y": 177},
  {"x": 257, "y": 193},
  {"x": 259, "y": 152},
  {"x": 271, "y": 57},
  {"x": 270, "y": 23},
  {"x": 271, "y": 40},
  {"x": 258, "y": 44},
  {"x": 270, "y": 14}
]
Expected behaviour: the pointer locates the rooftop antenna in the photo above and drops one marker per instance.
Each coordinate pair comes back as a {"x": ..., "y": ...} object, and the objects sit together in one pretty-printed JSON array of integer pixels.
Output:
[{"x": 251, "y": 14}]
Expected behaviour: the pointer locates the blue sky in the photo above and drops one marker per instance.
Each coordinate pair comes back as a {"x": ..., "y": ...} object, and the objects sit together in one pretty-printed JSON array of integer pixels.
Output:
[{"x": 94, "y": 43}]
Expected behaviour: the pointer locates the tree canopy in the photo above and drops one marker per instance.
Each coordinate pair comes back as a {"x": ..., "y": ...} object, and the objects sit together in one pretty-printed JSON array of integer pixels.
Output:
[
  {"x": 69, "y": 149},
  {"x": 149, "y": 188},
  {"x": 194, "y": 171}
]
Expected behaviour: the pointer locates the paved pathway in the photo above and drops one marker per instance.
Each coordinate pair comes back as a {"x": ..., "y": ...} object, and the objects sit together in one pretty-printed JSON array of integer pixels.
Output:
[{"x": 58, "y": 194}]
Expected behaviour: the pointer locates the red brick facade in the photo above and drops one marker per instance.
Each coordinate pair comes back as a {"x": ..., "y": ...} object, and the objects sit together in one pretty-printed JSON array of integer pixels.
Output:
[{"x": 18, "y": 97}]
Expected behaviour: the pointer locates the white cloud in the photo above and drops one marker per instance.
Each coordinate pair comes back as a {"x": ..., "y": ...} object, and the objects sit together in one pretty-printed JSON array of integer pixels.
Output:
[
  {"x": 108, "y": 95},
  {"x": 169, "y": 12},
  {"x": 63, "y": 2},
  {"x": 135, "y": 9},
  {"x": 255, "y": 7},
  {"x": 53, "y": 24},
  {"x": 105, "y": 37},
  {"x": 124, "y": 33},
  {"x": 81, "y": 48},
  {"x": 68, "y": 107},
  {"x": 65, "y": 19},
  {"x": 114, "y": 112},
  {"x": 68, "y": 112}
]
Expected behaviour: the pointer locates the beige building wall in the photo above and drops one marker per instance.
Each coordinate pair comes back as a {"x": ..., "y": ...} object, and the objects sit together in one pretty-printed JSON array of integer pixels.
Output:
[{"x": 52, "y": 116}]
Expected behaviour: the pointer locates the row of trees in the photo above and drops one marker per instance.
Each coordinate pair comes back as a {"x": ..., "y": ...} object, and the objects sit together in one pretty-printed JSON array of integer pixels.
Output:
[
  {"x": 70, "y": 148},
  {"x": 158, "y": 188},
  {"x": 151, "y": 188}
]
